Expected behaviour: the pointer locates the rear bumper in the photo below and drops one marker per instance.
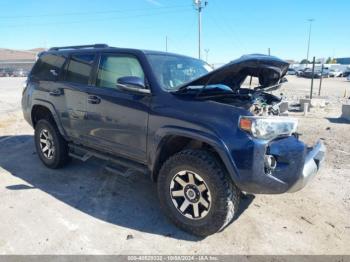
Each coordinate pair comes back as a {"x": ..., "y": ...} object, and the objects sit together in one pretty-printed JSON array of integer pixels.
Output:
[{"x": 313, "y": 162}]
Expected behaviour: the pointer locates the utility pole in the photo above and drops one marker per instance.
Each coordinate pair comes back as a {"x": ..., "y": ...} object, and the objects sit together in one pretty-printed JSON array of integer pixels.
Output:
[
  {"x": 320, "y": 86},
  {"x": 312, "y": 78},
  {"x": 206, "y": 54},
  {"x": 199, "y": 5},
  {"x": 308, "y": 43}
]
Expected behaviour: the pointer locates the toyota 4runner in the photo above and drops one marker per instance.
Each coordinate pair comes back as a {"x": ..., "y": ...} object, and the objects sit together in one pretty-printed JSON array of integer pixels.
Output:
[{"x": 204, "y": 136}]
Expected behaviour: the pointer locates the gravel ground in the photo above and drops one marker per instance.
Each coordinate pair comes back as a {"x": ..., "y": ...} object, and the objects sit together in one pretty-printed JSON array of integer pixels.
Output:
[{"x": 82, "y": 209}]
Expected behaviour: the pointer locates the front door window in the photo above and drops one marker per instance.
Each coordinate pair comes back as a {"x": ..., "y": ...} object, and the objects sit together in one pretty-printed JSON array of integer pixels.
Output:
[{"x": 113, "y": 67}]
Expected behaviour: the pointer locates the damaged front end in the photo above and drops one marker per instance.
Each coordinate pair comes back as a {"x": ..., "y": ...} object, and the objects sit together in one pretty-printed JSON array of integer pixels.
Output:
[{"x": 270, "y": 159}]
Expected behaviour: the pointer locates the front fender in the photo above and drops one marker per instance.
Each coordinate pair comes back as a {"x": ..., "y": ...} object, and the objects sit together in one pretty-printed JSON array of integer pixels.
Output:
[{"x": 218, "y": 145}]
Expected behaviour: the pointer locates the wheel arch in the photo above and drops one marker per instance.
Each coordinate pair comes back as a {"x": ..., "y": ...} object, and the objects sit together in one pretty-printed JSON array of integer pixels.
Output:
[
  {"x": 45, "y": 110},
  {"x": 173, "y": 140}
]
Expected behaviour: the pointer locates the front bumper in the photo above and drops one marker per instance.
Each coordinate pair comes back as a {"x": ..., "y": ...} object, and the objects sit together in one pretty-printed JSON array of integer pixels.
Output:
[
  {"x": 296, "y": 165},
  {"x": 313, "y": 161}
]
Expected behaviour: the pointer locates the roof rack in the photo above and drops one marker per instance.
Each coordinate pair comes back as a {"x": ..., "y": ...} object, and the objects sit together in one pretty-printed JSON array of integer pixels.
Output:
[{"x": 78, "y": 47}]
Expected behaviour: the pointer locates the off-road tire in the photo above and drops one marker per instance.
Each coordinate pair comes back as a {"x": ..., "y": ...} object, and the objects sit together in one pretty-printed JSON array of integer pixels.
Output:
[
  {"x": 225, "y": 196},
  {"x": 60, "y": 156}
]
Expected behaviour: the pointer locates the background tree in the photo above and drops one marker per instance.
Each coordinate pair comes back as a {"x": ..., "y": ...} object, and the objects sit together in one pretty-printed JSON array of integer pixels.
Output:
[
  {"x": 305, "y": 61},
  {"x": 331, "y": 61}
]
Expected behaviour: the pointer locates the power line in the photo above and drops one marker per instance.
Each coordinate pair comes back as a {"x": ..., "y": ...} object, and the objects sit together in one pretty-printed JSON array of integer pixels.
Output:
[
  {"x": 231, "y": 29},
  {"x": 93, "y": 12},
  {"x": 96, "y": 20},
  {"x": 226, "y": 33}
]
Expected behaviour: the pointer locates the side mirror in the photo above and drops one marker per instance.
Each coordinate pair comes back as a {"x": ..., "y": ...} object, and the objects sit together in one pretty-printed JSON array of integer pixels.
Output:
[{"x": 133, "y": 84}]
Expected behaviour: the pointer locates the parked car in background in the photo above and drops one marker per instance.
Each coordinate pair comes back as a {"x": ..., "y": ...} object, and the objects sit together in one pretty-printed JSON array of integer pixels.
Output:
[
  {"x": 5, "y": 72},
  {"x": 20, "y": 73},
  {"x": 301, "y": 72},
  {"x": 9, "y": 72},
  {"x": 335, "y": 73},
  {"x": 291, "y": 71},
  {"x": 2, "y": 73},
  {"x": 346, "y": 73},
  {"x": 307, "y": 73},
  {"x": 316, "y": 74}
]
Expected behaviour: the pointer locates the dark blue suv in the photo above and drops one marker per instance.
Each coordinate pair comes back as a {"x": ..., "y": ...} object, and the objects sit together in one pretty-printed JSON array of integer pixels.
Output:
[{"x": 204, "y": 136}]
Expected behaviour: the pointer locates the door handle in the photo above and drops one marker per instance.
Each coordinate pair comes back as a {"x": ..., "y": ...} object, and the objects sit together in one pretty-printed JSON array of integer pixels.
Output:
[
  {"x": 94, "y": 100},
  {"x": 56, "y": 92}
]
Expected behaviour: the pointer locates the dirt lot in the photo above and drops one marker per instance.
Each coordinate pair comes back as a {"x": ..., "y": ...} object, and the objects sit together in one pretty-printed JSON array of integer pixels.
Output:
[{"x": 82, "y": 209}]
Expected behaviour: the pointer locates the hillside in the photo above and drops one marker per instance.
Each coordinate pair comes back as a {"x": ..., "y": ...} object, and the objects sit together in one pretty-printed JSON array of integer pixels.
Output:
[{"x": 10, "y": 54}]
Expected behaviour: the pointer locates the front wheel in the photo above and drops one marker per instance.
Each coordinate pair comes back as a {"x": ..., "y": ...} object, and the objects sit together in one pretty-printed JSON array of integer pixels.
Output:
[{"x": 196, "y": 194}]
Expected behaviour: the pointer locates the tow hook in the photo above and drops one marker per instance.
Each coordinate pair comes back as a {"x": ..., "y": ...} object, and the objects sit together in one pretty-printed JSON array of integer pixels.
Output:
[{"x": 270, "y": 163}]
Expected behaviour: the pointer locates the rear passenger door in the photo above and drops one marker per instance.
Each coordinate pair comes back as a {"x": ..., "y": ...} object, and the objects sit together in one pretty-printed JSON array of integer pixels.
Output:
[
  {"x": 76, "y": 83},
  {"x": 117, "y": 119}
]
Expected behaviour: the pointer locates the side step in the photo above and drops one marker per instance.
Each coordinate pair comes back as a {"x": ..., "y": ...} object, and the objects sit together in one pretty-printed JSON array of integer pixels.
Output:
[
  {"x": 119, "y": 170},
  {"x": 118, "y": 165}
]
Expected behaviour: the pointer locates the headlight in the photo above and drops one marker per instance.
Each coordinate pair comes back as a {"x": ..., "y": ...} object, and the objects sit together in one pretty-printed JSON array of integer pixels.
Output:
[{"x": 268, "y": 127}]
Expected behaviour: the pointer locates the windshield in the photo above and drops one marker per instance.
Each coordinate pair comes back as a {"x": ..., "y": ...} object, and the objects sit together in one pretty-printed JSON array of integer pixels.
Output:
[{"x": 172, "y": 71}]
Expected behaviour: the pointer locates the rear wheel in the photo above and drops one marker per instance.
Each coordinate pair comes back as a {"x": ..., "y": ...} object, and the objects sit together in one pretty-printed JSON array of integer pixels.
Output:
[
  {"x": 51, "y": 147},
  {"x": 196, "y": 194}
]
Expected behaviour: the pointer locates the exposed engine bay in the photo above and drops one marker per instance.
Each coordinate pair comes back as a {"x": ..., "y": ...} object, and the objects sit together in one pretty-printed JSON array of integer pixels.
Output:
[
  {"x": 227, "y": 84},
  {"x": 257, "y": 102}
]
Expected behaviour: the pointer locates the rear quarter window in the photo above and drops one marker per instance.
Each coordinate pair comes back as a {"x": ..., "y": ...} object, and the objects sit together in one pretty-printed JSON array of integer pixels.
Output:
[{"x": 48, "y": 67}]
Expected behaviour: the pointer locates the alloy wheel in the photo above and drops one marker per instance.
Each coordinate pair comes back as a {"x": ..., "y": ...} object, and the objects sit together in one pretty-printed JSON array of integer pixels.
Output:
[
  {"x": 190, "y": 194},
  {"x": 47, "y": 145}
]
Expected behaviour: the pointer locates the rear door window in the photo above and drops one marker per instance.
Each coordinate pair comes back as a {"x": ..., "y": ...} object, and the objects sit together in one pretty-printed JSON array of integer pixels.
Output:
[
  {"x": 79, "y": 68},
  {"x": 48, "y": 67}
]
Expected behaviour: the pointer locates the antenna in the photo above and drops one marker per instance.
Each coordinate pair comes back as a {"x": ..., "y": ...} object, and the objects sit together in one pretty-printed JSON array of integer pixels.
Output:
[{"x": 206, "y": 54}]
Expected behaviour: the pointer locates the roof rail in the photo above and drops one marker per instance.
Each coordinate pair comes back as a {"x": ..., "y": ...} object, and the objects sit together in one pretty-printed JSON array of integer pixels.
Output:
[{"x": 78, "y": 47}]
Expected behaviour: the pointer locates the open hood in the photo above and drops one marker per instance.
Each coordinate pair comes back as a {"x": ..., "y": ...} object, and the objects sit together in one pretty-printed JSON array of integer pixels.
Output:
[{"x": 268, "y": 69}]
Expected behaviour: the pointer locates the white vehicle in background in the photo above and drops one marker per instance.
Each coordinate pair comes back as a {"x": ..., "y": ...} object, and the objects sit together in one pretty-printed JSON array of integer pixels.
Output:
[{"x": 335, "y": 73}]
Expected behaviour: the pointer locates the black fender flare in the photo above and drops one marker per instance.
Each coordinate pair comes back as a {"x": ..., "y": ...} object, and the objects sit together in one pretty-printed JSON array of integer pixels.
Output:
[
  {"x": 51, "y": 108},
  {"x": 212, "y": 140}
]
